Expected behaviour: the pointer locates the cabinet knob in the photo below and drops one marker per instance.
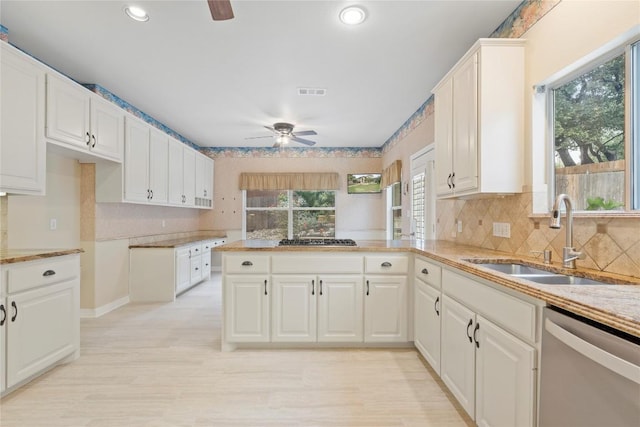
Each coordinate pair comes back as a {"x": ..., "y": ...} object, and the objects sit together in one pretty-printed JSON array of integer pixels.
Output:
[
  {"x": 48, "y": 273},
  {"x": 425, "y": 271},
  {"x": 385, "y": 264},
  {"x": 247, "y": 263}
]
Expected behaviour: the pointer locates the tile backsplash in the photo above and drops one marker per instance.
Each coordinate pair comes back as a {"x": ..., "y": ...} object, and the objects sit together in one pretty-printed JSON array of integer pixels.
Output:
[{"x": 610, "y": 244}]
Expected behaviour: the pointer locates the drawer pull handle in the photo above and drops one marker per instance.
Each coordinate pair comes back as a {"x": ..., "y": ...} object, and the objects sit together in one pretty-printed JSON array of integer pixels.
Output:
[
  {"x": 265, "y": 286},
  {"x": 4, "y": 314},
  {"x": 48, "y": 273},
  {"x": 435, "y": 306},
  {"x": 313, "y": 287},
  {"x": 468, "y": 334},
  {"x": 385, "y": 264},
  {"x": 247, "y": 263},
  {"x": 15, "y": 311},
  {"x": 320, "y": 287},
  {"x": 367, "y": 288},
  {"x": 425, "y": 271}
]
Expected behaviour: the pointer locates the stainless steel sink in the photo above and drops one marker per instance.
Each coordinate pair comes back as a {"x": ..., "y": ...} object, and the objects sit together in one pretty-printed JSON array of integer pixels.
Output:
[
  {"x": 538, "y": 275},
  {"x": 515, "y": 269},
  {"x": 559, "y": 279}
]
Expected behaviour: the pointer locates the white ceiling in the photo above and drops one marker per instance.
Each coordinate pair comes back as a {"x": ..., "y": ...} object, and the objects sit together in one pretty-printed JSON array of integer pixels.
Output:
[{"x": 218, "y": 82}]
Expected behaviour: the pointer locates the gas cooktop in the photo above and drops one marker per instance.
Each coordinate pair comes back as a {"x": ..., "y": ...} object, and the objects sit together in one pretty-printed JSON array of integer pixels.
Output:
[{"x": 317, "y": 242}]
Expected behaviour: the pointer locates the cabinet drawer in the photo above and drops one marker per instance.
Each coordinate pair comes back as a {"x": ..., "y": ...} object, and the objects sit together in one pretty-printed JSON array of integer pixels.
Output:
[
  {"x": 249, "y": 263},
  {"x": 508, "y": 312},
  {"x": 381, "y": 264},
  {"x": 317, "y": 264},
  {"x": 428, "y": 272},
  {"x": 29, "y": 275}
]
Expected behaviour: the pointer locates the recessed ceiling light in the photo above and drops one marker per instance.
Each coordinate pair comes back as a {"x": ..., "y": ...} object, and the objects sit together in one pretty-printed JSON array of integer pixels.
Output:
[
  {"x": 352, "y": 15},
  {"x": 136, "y": 13}
]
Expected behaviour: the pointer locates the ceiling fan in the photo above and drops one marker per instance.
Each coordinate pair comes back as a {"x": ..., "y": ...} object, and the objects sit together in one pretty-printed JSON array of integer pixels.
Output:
[
  {"x": 220, "y": 9},
  {"x": 284, "y": 133}
]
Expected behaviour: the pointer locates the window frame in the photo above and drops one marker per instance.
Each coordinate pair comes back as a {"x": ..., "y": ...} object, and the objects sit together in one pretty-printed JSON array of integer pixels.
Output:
[
  {"x": 543, "y": 114},
  {"x": 290, "y": 208}
]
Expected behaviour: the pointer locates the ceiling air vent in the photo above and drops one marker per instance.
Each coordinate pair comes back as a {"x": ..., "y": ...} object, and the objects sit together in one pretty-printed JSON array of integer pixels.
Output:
[{"x": 311, "y": 91}]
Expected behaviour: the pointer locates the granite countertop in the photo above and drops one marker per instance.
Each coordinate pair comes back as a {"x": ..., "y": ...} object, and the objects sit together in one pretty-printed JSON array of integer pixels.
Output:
[
  {"x": 10, "y": 256},
  {"x": 616, "y": 304},
  {"x": 175, "y": 243}
]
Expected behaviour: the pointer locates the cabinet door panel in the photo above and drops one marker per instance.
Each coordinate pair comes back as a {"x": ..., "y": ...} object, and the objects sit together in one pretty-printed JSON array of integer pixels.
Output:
[
  {"x": 107, "y": 129},
  {"x": 189, "y": 180},
  {"x": 505, "y": 381},
  {"x": 183, "y": 270},
  {"x": 159, "y": 167},
  {"x": 293, "y": 305},
  {"x": 23, "y": 147},
  {"x": 427, "y": 309},
  {"x": 136, "y": 158},
  {"x": 4, "y": 318},
  {"x": 68, "y": 112},
  {"x": 443, "y": 102},
  {"x": 340, "y": 309},
  {"x": 176, "y": 174},
  {"x": 457, "y": 364},
  {"x": 385, "y": 309},
  {"x": 247, "y": 309},
  {"x": 465, "y": 122},
  {"x": 44, "y": 331}
]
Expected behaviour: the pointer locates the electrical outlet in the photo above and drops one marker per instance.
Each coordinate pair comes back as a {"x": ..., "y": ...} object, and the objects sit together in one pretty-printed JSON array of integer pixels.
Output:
[
  {"x": 53, "y": 224},
  {"x": 459, "y": 226},
  {"x": 163, "y": 223},
  {"x": 502, "y": 229}
]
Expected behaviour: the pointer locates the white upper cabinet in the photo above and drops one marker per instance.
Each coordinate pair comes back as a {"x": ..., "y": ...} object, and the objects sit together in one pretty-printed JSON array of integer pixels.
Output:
[
  {"x": 22, "y": 100},
  {"x": 182, "y": 174},
  {"x": 204, "y": 181},
  {"x": 479, "y": 121},
  {"x": 81, "y": 121},
  {"x": 158, "y": 167},
  {"x": 136, "y": 161}
]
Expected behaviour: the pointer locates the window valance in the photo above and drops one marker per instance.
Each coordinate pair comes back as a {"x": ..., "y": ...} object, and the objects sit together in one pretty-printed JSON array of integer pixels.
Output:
[
  {"x": 392, "y": 174},
  {"x": 289, "y": 181}
]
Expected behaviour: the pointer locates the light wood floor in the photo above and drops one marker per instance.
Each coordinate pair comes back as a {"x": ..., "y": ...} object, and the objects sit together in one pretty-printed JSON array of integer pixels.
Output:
[{"x": 161, "y": 365}]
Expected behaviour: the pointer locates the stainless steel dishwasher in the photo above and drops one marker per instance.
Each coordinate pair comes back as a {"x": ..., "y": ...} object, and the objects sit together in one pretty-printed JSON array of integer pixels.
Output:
[{"x": 589, "y": 374}]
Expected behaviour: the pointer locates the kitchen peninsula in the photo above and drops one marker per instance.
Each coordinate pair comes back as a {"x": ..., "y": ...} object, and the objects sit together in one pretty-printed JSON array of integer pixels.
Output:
[{"x": 473, "y": 324}]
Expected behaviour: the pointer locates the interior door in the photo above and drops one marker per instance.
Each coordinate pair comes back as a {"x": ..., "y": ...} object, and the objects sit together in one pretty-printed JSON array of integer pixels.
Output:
[{"x": 423, "y": 194}]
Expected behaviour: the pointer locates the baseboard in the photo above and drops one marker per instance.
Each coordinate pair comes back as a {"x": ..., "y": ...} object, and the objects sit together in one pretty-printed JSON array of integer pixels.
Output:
[{"x": 90, "y": 313}]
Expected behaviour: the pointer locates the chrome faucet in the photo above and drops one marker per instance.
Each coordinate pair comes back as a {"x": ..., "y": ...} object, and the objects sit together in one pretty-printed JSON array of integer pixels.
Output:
[{"x": 569, "y": 254}]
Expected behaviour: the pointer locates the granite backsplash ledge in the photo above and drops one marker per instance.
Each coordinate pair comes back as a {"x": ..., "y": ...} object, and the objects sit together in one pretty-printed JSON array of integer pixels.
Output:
[{"x": 610, "y": 244}]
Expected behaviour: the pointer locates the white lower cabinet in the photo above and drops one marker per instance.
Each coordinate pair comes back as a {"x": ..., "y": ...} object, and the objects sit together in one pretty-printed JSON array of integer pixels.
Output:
[
  {"x": 246, "y": 308},
  {"x": 489, "y": 370},
  {"x": 385, "y": 309},
  {"x": 310, "y": 308},
  {"x": 426, "y": 330},
  {"x": 293, "y": 305},
  {"x": 340, "y": 309},
  {"x": 183, "y": 269},
  {"x": 39, "y": 318}
]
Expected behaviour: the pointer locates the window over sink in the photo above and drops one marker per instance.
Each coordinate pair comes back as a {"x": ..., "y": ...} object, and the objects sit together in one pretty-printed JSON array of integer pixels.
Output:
[
  {"x": 593, "y": 128},
  {"x": 288, "y": 214}
]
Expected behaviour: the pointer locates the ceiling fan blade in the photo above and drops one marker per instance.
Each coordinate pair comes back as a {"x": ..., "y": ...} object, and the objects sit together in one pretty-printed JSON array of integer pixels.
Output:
[
  {"x": 305, "y": 132},
  {"x": 220, "y": 9},
  {"x": 258, "y": 137},
  {"x": 303, "y": 141},
  {"x": 271, "y": 129},
  {"x": 277, "y": 145}
]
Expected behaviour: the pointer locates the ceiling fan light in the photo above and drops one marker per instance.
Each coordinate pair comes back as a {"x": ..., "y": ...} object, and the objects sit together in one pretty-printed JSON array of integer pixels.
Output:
[
  {"x": 136, "y": 13},
  {"x": 353, "y": 15}
]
